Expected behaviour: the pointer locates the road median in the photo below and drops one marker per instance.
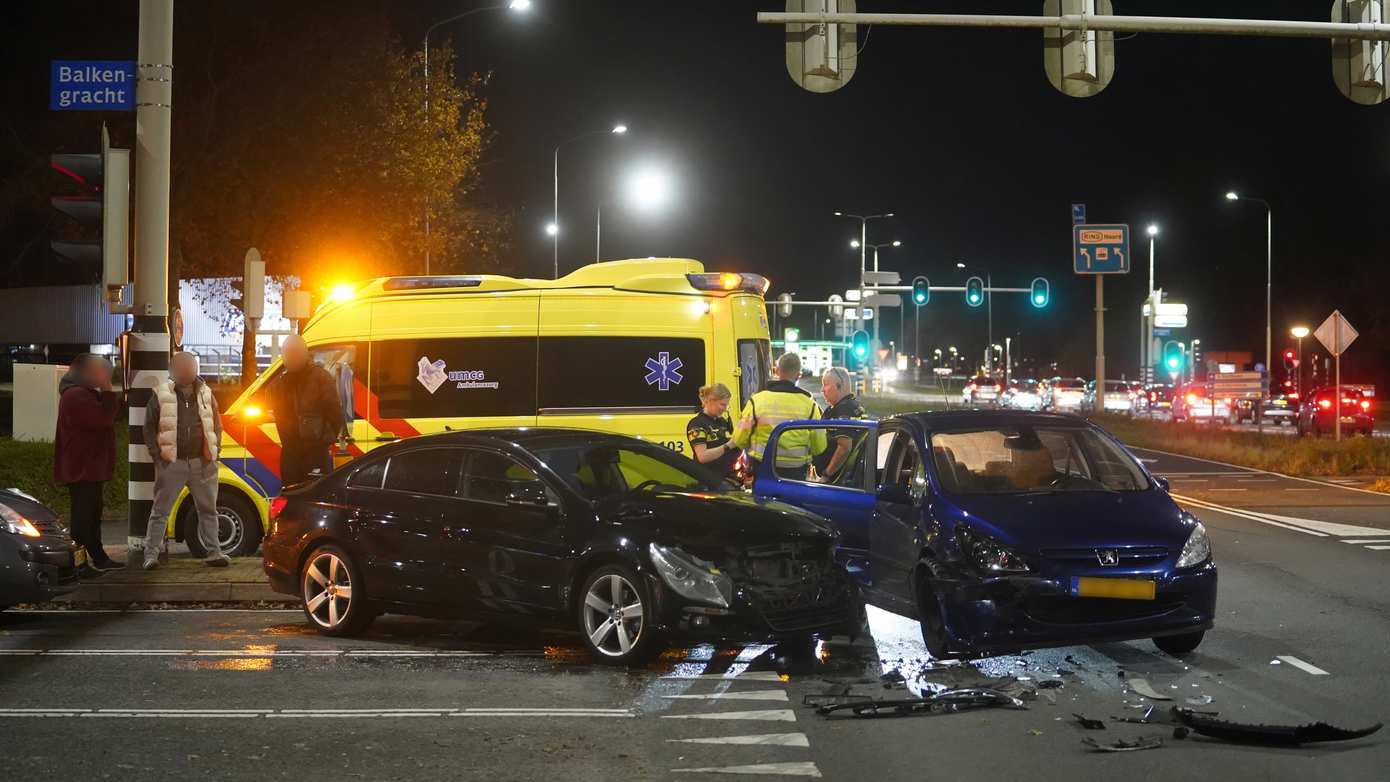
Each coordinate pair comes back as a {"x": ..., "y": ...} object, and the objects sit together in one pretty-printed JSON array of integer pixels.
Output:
[{"x": 180, "y": 581}]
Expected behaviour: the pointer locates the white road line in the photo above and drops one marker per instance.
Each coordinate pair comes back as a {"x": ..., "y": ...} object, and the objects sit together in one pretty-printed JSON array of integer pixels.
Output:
[
  {"x": 757, "y": 695},
  {"x": 310, "y": 713},
  {"x": 1363, "y": 542},
  {"x": 1290, "y": 488},
  {"x": 802, "y": 769},
  {"x": 769, "y": 715},
  {"x": 1228, "y": 489},
  {"x": 755, "y": 676},
  {"x": 1328, "y": 484},
  {"x": 1303, "y": 666},
  {"x": 1242, "y": 514},
  {"x": 361, "y": 653},
  {"x": 764, "y": 740},
  {"x": 1379, "y": 548}
]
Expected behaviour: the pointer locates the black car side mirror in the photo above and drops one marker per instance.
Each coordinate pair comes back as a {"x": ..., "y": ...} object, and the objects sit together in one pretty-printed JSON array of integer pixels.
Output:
[
  {"x": 894, "y": 494},
  {"x": 1162, "y": 482}
]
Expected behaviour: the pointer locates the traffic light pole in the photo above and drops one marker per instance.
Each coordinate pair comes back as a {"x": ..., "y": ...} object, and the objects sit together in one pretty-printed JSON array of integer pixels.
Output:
[{"x": 149, "y": 339}]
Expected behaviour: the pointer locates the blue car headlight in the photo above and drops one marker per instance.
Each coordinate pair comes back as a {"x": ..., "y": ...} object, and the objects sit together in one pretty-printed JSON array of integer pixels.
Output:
[
  {"x": 691, "y": 577},
  {"x": 988, "y": 554},
  {"x": 1197, "y": 549}
]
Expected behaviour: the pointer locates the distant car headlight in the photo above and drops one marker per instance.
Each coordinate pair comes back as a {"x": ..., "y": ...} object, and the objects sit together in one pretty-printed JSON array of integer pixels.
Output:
[
  {"x": 1197, "y": 549},
  {"x": 12, "y": 522},
  {"x": 988, "y": 554},
  {"x": 691, "y": 577}
]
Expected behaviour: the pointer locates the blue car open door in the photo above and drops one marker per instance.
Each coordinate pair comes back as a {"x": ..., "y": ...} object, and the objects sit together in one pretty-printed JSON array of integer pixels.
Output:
[{"x": 838, "y": 484}]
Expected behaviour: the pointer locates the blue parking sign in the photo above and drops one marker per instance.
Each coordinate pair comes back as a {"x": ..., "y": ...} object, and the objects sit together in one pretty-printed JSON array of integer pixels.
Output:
[{"x": 92, "y": 85}]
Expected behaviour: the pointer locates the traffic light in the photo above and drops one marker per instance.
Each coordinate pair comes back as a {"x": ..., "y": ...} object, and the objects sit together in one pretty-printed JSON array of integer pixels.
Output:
[
  {"x": 1041, "y": 293},
  {"x": 974, "y": 291},
  {"x": 98, "y": 201},
  {"x": 1172, "y": 356},
  {"x": 859, "y": 345},
  {"x": 921, "y": 291},
  {"x": 1288, "y": 360},
  {"x": 250, "y": 289}
]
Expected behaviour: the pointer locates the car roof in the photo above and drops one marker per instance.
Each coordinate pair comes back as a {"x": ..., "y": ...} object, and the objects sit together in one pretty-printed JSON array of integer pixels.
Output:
[
  {"x": 965, "y": 419},
  {"x": 525, "y": 437}
]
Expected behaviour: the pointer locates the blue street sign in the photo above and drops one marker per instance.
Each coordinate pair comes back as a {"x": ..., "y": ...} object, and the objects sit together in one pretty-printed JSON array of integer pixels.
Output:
[
  {"x": 92, "y": 85},
  {"x": 1100, "y": 249},
  {"x": 1078, "y": 214},
  {"x": 1163, "y": 332}
]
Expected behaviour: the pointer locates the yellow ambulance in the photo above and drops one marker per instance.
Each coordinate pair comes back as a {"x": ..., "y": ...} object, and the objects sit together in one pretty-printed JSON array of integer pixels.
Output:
[{"x": 619, "y": 346}]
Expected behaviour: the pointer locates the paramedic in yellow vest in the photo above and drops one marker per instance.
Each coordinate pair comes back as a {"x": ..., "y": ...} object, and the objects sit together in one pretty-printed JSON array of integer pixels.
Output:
[
  {"x": 781, "y": 401},
  {"x": 183, "y": 432}
]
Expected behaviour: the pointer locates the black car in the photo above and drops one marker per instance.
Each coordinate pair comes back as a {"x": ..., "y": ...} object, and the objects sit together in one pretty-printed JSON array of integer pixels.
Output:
[
  {"x": 624, "y": 540},
  {"x": 38, "y": 560}
]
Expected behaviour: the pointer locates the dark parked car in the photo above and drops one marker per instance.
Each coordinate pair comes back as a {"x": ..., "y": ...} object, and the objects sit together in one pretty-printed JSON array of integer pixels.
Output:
[
  {"x": 38, "y": 560},
  {"x": 621, "y": 539},
  {"x": 1319, "y": 415},
  {"x": 1001, "y": 531}
]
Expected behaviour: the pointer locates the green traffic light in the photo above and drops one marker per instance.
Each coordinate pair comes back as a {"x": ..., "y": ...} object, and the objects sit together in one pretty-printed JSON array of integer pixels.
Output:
[
  {"x": 1172, "y": 362},
  {"x": 974, "y": 297},
  {"x": 1039, "y": 300},
  {"x": 920, "y": 299}
]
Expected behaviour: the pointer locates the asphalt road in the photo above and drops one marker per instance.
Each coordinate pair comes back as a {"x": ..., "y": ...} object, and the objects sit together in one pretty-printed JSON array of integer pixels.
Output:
[{"x": 1304, "y": 620}]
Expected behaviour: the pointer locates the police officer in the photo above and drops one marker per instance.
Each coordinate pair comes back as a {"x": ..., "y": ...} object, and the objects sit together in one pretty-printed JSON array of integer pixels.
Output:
[
  {"x": 781, "y": 401},
  {"x": 843, "y": 406},
  {"x": 711, "y": 430}
]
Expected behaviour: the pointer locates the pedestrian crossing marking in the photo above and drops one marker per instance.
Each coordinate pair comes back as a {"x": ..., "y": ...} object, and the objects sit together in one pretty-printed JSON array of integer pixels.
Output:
[
  {"x": 802, "y": 769},
  {"x": 759, "y": 695},
  {"x": 767, "y": 715},
  {"x": 763, "y": 740}
]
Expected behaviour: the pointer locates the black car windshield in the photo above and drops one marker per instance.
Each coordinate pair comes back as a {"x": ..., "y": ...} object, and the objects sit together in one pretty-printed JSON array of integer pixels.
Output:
[
  {"x": 1019, "y": 459},
  {"x": 606, "y": 468}
]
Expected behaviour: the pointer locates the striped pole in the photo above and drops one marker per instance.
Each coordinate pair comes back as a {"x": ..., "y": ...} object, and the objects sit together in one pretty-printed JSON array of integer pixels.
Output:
[{"x": 149, "y": 340}]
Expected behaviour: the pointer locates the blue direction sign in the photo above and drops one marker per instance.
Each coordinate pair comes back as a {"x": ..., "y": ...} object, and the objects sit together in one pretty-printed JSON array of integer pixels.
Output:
[
  {"x": 1078, "y": 214},
  {"x": 92, "y": 85},
  {"x": 1100, "y": 249}
]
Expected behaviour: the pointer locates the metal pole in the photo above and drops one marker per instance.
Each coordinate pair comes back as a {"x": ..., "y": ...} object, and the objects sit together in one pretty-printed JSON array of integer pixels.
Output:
[
  {"x": 1088, "y": 22},
  {"x": 989, "y": 307},
  {"x": 598, "y": 233},
  {"x": 555, "y": 215},
  {"x": 1147, "y": 370},
  {"x": 863, "y": 268},
  {"x": 1337, "y": 383},
  {"x": 149, "y": 339},
  {"x": 1100, "y": 343},
  {"x": 1008, "y": 358},
  {"x": 1298, "y": 373},
  {"x": 1269, "y": 284},
  {"x": 427, "y": 122}
]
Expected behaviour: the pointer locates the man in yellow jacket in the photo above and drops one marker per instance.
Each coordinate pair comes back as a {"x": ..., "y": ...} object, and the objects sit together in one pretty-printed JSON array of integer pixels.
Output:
[{"x": 781, "y": 401}]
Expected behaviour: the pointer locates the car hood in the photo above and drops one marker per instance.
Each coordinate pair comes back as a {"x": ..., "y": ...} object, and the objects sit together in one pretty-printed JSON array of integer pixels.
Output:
[
  {"x": 27, "y": 506},
  {"x": 707, "y": 521},
  {"x": 1076, "y": 519}
]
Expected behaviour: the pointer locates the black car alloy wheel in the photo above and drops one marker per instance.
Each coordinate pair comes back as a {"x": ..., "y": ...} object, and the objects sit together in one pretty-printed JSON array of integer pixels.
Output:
[
  {"x": 612, "y": 608},
  {"x": 334, "y": 598}
]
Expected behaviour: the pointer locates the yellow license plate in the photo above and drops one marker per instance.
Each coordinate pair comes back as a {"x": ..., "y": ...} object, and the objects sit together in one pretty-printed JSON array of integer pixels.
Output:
[{"x": 1114, "y": 588}]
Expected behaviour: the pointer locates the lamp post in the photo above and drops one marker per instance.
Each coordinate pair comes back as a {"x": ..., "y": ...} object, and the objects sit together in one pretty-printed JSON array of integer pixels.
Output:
[
  {"x": 554, "y": 228},
  {"x": 1269, "y": 268},
  {"x": 863, "y": 253},
  {"x": 1299, "y": 332},
  {"x": 1146, "y": 349},
  {"x": 519, "y": 6}
]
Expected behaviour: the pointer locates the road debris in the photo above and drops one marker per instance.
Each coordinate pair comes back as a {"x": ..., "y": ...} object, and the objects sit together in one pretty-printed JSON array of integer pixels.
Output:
[
  {"x": 1088, "y": 723},
  {"x": 946, "y": 702},
  {"x": 1049, "y": 684},
  {"x": 1148, "y": 742},
  {"x": 1141, "y": 686},
  {"x": 1272, "y": 735},
  {"x": 1201, "y": 700}
]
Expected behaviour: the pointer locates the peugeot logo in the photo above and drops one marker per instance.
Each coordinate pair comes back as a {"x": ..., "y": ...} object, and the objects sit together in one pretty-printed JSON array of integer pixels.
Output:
[{"x": 1108, "y": 557}]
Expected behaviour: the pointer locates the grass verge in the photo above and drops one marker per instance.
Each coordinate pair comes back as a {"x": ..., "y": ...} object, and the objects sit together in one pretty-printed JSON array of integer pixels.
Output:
[{"x": 29, "y": 467}]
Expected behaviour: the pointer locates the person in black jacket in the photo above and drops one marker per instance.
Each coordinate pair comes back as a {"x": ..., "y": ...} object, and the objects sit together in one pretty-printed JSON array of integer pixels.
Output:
[
  {"x": 710, "y": 432},
  {"x": 307, "y": 414},
  {"x": 844, "y": 406}
]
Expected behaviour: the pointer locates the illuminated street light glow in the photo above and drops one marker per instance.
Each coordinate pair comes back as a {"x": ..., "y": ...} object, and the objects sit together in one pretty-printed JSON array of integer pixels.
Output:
[
  {"x": 1232, "y": 196},
  {"x": 551, "y": 229},
  {"x": 960, "y": 264},
  {"x": 619, "y": 129},
  {"x": 854, "y": 243},
  {"x": 520, "y": 6},
  {"x": 1299, "y": 332},
  {"x": 650, "y": 189},
  {"x": 897, "y": 243},
  {"x": 1153, "y": 230}
]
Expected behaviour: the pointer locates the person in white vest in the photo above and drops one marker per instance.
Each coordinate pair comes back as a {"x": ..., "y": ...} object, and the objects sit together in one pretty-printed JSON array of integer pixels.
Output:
[{"x": 184, "y": 433}]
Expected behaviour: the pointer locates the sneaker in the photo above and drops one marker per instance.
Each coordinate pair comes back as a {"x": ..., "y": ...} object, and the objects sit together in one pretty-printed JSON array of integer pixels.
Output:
[
  {"x": 87, "y": 572},
  {"x": 108, "y": 564},
  {"x": 151, "y": 564},
  {"x": 217, "y": 561}
]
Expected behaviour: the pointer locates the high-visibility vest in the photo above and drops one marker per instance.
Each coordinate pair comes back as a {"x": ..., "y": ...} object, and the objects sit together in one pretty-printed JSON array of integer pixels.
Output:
[{"x": 764, "y": 411}]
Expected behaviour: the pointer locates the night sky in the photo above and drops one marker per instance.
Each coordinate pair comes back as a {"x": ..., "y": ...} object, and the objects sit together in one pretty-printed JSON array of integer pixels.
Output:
[{"x": 957, "y": 131}]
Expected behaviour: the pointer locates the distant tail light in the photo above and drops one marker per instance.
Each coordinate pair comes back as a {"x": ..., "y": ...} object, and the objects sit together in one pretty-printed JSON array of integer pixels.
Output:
[
  {"x": 1325, "y": 404},
  {"x": 1365, "y": 405},
  {"x": 1192, "y": 399},
  {"x": 1292, "y": 395}
]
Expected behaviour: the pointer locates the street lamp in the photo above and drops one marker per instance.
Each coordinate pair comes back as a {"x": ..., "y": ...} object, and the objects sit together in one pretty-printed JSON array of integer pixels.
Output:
[
  {"x": 1299, "y": 332},
  {"x": 517, "y": 6},
  {"x": 551, "y": 229},
  {"x": 649, "y": 188},
  {"x": 863, "y": 247},
  {"x": 1269, "y": 269},
  {"x": 617, "y": 130},
  {"x": 1146, "y": 330}
]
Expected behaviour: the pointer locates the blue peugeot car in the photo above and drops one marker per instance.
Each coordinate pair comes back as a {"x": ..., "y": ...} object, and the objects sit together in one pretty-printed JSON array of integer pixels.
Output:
[{"x": 1000, "y": 531}]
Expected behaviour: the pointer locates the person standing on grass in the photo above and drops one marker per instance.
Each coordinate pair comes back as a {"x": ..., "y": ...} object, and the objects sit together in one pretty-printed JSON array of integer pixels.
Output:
[
  {"x": 84, "y": 451},
  {"x": 184, "y": 434}
]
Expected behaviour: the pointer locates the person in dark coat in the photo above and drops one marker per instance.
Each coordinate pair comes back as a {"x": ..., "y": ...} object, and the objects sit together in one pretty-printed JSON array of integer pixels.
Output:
[
  {"x": 84, "y": 449},
  {"x": 307, "y": 414}
]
